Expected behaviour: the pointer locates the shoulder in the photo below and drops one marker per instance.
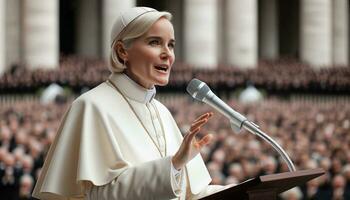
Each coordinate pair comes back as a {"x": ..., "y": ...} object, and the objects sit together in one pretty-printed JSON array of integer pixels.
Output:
[
  {"x": 93, "y": 94},
  {"x": 100, "y": 94},
  {"x": 100, "y": 98}
]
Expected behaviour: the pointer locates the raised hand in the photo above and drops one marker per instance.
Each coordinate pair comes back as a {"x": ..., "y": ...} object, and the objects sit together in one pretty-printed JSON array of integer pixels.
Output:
[{"x": 190, "y": 147}]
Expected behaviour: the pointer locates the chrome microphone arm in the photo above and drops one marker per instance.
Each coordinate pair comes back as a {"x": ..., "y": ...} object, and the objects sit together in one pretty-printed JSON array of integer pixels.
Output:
[
  {"x": 251, "y": 127},
  {"x": 238, "y": 122}
]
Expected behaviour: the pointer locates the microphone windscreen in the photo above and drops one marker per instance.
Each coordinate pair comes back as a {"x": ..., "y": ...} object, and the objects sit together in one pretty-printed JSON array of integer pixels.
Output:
[{"x": 197, "y": 89}]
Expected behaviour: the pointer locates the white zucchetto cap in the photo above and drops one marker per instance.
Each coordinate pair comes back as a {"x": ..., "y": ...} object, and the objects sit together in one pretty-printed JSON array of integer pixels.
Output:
[{"x": 126, "y": 18}]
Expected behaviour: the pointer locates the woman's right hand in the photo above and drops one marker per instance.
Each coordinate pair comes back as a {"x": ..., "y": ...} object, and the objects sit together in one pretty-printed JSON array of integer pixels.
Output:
[{"x": 190, "y": 147}]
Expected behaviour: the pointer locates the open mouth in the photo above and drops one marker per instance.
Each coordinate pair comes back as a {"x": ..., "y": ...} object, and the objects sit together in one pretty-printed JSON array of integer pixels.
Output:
[{"x": 162, "y": 68}]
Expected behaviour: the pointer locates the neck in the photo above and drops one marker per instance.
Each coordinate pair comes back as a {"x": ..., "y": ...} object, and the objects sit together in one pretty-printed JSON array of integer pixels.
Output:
[{"x": 138, "y": 80}]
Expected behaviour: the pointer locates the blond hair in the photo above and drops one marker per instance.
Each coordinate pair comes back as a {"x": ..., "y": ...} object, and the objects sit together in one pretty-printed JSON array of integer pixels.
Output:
[{"x": 133, "y": 30}]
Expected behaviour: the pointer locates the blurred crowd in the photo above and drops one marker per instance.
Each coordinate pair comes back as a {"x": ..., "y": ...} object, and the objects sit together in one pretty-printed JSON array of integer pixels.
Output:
[
  {"x": 277, "y": 76},
  {"x": 313, "y": 134},
  {"x": 26, "y": 132}
]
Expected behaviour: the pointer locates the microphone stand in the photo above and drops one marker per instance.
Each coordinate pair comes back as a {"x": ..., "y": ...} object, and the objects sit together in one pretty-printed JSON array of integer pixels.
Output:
[
  {"x": 253, "y": 128},
  {"x": 238, "y": 121}
]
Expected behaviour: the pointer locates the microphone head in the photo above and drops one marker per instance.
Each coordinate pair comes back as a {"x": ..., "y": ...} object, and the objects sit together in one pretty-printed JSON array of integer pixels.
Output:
[{"x": 197, "y": 89}]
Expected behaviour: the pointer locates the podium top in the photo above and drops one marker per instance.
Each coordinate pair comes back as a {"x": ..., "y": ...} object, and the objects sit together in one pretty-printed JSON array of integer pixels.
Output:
[{"x": 274, "y": 183}]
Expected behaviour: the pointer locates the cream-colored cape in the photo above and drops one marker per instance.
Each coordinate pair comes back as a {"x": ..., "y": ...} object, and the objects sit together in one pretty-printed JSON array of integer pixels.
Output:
[{"x": 98, "y": 139}]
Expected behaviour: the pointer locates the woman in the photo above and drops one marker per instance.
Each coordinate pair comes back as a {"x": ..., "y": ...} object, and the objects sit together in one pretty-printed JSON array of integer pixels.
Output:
[{"x": 116, "y": 141}]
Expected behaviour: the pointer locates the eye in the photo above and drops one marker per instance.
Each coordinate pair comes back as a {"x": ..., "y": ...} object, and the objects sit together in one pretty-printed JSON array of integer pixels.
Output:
[
  {"x": 171, "y": 45},
  {"x": 154, "y": 42}
]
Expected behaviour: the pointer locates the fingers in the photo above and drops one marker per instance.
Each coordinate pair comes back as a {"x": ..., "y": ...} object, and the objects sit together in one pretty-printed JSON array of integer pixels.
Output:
[
  {"x": 198, "y": 124},
  {"x": 200, "y": 121},
  {"x": 192, "y": 134},
  {"x": 206, "y": 115},
  {"x": 205, "y": 140}
]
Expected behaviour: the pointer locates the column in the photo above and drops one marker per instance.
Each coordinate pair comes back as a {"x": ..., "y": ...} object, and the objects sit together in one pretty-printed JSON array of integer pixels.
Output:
[
  {"x": 176, "y": 9},
  {"x": 2, "y": 37},
  {"x": 340, "y": 32},
  {"x": 200, "y": 37},
  {"x": 316, "y": 32},
  {"x": 111, "y": 9},
  {"x": 268, "y": 30},
  {"x": 222, "y": 35},
  {"x": 242, "y": 33},
  {"x": 88, "y": 27},
  {"x": 41, "y": 48},
  {"x": 13, "y": 29}
]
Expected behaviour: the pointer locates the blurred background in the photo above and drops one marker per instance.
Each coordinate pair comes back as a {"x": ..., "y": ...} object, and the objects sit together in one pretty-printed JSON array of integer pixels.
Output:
[{"x": 282, "y": 63}]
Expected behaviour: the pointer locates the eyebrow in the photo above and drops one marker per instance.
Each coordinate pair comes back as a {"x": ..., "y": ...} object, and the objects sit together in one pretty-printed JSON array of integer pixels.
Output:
[{"x": 158, "y": 38}]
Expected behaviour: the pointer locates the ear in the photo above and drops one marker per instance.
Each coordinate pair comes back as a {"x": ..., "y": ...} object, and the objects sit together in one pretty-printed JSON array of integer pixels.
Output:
[{"x": 120, "y": 49}]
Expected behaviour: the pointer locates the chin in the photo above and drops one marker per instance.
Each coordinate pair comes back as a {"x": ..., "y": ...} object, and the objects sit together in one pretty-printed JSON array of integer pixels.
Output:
[{"x": 163, "y": 82}]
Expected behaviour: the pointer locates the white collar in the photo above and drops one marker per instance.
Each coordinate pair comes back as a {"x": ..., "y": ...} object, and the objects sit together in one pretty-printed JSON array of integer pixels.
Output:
[{"x": 131, "y": 89}]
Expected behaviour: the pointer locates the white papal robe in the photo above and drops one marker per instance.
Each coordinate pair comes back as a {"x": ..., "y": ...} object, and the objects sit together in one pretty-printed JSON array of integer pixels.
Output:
[{"x": 102, "y": 150}]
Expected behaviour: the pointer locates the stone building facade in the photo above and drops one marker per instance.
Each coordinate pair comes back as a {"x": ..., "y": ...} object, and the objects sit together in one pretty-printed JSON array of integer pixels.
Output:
[{"x": 208, "y": 32}]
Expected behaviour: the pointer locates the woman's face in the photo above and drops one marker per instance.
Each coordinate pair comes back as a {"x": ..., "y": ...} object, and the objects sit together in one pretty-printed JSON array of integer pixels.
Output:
[{"x": 150, "y": 57}]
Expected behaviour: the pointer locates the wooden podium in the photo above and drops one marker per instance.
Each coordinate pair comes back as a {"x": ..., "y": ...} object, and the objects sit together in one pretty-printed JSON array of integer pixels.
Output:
[{"x": 266, "y": 187}]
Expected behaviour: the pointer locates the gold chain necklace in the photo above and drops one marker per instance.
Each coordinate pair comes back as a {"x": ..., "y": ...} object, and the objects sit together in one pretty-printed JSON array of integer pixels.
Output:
[{"x": 133, "y": 110}]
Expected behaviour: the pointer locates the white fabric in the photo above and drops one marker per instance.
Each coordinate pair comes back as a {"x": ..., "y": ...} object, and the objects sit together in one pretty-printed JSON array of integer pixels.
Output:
[
  {"x": 176, "y": 173},
  {"x": 127, "y": 17},
  {"x": 139, "y": 93},
  {"x": 112, "y": 190},
  {"x": 101, "y": 140},
  {"x": 152, "y": 180}
]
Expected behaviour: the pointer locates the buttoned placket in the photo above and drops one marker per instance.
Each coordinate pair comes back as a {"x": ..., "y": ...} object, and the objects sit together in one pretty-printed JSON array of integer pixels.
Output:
[{"x": 157, "y": 132}]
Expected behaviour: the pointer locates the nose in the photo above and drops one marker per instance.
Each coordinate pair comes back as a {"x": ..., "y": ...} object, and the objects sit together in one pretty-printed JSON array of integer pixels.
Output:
[{"x": 166, "y": 53}]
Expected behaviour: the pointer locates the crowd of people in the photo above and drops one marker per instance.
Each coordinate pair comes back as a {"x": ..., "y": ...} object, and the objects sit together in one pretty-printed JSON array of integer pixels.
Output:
[
  {"x": 313, "y": 134},
  {"x": 26, "y": 132},
  {"x": 277, "y": 76}
]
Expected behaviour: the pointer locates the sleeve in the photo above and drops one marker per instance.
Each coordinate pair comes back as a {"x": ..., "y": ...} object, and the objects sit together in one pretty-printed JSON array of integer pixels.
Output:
[
  {"x": 150, "y": 180},
  {"x": 176, "y": 176}
]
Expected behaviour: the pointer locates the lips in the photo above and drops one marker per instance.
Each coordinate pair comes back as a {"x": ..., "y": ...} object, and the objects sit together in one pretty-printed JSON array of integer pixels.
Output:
[{"x": 162, "y": 68}]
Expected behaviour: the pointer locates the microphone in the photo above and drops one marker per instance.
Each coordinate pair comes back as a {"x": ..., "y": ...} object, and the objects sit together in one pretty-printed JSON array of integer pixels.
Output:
[{"x": 201, "y": 91}]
